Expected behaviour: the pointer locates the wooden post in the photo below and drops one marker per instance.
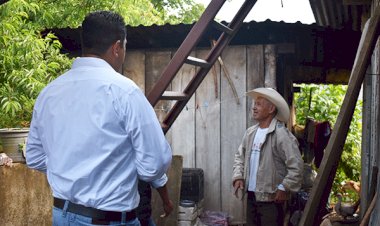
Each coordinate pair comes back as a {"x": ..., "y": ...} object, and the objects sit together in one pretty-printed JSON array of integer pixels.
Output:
[{"x": 335, "y": 146}]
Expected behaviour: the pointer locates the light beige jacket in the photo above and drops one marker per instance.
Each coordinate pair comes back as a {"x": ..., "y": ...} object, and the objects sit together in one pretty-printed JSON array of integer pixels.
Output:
[{"x": 280, "y": 161}]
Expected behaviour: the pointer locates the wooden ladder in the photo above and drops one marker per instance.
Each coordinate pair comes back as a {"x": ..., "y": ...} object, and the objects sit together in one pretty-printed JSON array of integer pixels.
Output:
[{"x": 183, "y": 56}]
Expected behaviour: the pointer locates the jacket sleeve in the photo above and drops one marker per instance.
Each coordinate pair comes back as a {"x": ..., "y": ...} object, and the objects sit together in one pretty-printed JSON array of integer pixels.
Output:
[
  {"x": 238, "y": 167},
  {"x": 288, "y": 145}
]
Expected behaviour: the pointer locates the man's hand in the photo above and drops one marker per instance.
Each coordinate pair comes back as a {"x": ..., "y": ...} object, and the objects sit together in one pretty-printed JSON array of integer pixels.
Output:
[
  {"x": 280, "y": 196},
  {"x": 168, "y": 208},
  {"x": 238, "y": 185}
]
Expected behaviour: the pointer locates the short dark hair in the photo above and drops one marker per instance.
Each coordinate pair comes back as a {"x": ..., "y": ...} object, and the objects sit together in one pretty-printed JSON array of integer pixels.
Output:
[{"x": 100, "y": 30}]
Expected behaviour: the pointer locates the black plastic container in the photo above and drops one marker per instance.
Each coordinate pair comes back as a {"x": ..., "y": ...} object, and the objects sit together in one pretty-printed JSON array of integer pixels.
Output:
[{"x": 192, "y": 184}]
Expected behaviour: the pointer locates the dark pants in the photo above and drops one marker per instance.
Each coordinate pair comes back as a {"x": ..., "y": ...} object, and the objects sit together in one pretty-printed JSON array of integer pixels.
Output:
[{"x": 264, "y": 213}]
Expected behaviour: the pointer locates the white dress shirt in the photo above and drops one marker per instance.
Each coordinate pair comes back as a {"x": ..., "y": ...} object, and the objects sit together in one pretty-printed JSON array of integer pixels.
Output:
[{"x": 94, "y": 133}]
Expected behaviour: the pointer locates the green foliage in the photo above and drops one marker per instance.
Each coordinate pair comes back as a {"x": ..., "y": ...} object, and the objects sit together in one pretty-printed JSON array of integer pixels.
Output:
[
  {"x": 70, "y": 13},
  {"x": 29, "y": 61},
  {"x": 323, "y": 102}
]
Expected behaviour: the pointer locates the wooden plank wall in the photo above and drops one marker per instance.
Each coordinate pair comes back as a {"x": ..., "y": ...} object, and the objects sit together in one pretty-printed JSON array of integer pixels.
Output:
[
  {"x": 209, "y": 130},
  {"x": 371, "y": 116}
]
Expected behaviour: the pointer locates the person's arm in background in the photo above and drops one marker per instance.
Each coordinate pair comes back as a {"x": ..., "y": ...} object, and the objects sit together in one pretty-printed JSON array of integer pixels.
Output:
[
  {"x": 238, "y": 169},
  {"x": 166, "y": 202}
]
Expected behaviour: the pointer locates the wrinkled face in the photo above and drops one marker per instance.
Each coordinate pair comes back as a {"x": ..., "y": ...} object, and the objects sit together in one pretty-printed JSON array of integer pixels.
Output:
[{"x": 263, "y": 109}]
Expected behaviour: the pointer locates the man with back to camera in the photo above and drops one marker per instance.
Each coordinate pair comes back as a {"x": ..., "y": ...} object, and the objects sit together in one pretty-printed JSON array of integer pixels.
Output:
[
  {"x": 94, "y": 133},
  {"x": 268, "y": 164}
]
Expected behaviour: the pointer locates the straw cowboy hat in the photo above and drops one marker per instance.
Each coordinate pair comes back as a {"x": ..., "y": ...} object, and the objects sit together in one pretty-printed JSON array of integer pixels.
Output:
[{"x": 275, "y": 98}]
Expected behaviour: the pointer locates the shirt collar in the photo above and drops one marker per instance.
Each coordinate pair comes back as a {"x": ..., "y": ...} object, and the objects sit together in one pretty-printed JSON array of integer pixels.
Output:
[{"x": 90, "y": 62}]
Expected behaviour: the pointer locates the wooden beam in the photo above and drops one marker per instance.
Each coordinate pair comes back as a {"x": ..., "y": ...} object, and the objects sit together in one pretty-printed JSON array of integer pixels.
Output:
[
  {"x": 334, "y": 147},
  {"x": 357, "y": 2},
  {"x": 317, "y": 74}
]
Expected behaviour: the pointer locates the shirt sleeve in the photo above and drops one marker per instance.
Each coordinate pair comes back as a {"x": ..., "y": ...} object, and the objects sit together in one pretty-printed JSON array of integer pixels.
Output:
[
  {"x": 35, "y": 154},
  {"x": 159, "y": 182},
  {"x": 153, "y": 153}
]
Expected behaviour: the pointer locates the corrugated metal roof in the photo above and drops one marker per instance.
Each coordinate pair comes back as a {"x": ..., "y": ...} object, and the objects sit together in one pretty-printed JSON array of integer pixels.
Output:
[
  {"x": 171, "y": 36},
  {"x": 313, "y": 45},
  {"x": 340, "y": 14}
]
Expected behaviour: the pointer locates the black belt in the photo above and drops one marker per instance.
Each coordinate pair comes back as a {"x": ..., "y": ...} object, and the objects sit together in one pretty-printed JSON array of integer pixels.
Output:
[{"x": 95, "y": 214}]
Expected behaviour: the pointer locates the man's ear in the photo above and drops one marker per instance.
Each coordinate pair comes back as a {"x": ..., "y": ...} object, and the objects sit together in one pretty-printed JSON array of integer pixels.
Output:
[
  {"x": 116, "y": 48},
  {"x": 272, "y": 109}
]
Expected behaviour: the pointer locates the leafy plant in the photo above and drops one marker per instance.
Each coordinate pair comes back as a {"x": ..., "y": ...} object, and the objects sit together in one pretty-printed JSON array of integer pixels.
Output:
[
  {"x": 29, "y": 62},
  {"x": 323, "y": 102}
]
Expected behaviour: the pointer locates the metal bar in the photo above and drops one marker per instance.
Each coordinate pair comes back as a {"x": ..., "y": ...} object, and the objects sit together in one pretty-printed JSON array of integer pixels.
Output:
[
  {"x": 197, "y": 62},
  {"x": 173, "y": 95},
  {"x": 222, "y": 27},
  {"x": 184, "y": 50}
]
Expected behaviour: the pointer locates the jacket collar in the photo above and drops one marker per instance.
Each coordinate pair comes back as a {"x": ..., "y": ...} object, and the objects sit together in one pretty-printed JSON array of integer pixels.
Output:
[{"x": 272, "y": 125}]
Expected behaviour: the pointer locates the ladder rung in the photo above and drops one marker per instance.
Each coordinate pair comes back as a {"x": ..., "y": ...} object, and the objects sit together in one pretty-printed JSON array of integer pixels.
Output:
[
  {"x": 222, "y": 27},
  {"x": 197, "y": 62},
  {"x": 172, "y": 95}
]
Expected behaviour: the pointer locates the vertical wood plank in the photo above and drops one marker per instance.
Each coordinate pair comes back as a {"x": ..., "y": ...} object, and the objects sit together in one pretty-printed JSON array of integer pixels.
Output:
[
  {"x": 374, "y": 118},
  {"x": 156, "y": 62},
  {"x": 376, "y": 94},
  {"x": 255, "y": 75},
  {"x": 134, "y": 67},
  {"x": 270, "y": 66},
  {"x": 233, "y": 125},
  {"x": 366, "y": 143},
  {"x": 183, "y": 129},
  {"x": 375, "y": 161},
  {"x": 208, "y": 137},
  {"x": 374, "y": 153}
]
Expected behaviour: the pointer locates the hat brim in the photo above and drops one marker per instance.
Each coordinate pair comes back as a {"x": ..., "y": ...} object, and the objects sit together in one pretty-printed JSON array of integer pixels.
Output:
[{"x": 275, "y": 98}]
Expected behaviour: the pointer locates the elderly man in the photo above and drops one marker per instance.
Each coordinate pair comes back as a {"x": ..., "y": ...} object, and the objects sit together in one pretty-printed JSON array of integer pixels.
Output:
[{"x": 268, "y": 164}]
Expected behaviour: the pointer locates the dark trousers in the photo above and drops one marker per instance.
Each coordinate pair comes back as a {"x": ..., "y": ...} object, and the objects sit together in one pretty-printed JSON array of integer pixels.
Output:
[{"x": 264, "y": 213}]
